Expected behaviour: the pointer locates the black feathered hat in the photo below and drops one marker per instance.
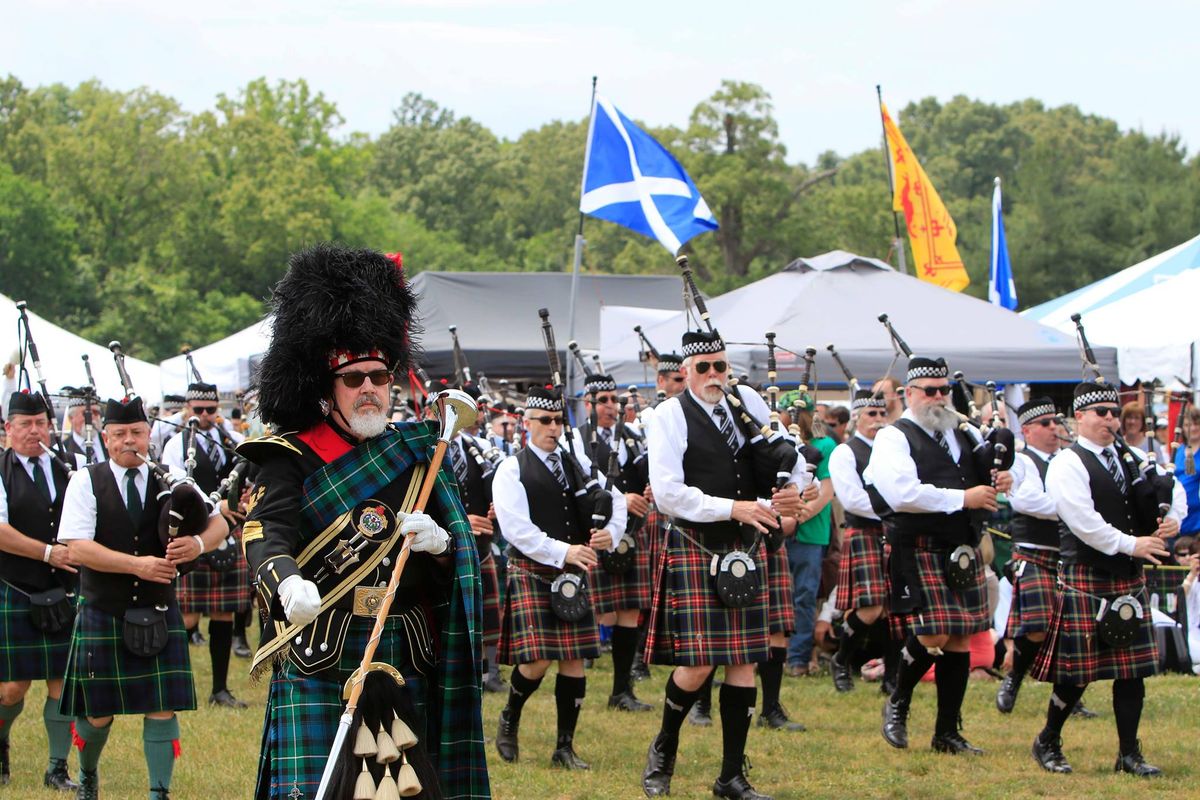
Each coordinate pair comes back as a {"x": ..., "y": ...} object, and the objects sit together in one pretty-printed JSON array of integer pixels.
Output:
[
  {"x": 28, "y": 403},
  {"x": 335, "y": 306}
]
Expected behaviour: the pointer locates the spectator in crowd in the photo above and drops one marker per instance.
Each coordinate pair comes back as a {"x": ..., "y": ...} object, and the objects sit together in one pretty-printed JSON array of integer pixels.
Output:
[
  {"x": 1192, "y": 593},
  {"x": 889, "y": 387},
  {"x": 837, "y": 420},
  {"x": 1133, "y": 428},
  {"x": 1186, "y": 474}
]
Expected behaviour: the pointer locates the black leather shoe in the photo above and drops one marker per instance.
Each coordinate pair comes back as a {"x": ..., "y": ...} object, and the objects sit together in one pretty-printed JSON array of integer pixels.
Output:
[
  {"x": 161, "y": 793},
  {"x": 197, "y": 638},
  {"x": 492, "y": 682},
  {"x": 700, "y": 716},
  {"x": 895, "y": 723},
  {"x": 954, "y": 744},
  {"x": 660, "y": 766},
  {"x": 241, "y": 648},
  {"x": 887, "y": 686},
  {"x": 225, "y": 699},
  {"x": 1006, "y": 695},
  {"x": 565, "y": 756},
  {"x": 627, "y": 701},
  {"x": 1082, "y": 711},
  {"x": 5, "y": 776},
  {"x": 639, "y": 671},
  {"x": 1135, "y": 764},
  {"x": 1049, "y": 755},
  {"x": 506, "y": 737},
  {"x": 58, "y": 778},
  {"x": 89, "y": 785},
  {"x": 842, "y": 680},
  {"x": 737, "y": 787},
  {"x": 776, "y": 718}
]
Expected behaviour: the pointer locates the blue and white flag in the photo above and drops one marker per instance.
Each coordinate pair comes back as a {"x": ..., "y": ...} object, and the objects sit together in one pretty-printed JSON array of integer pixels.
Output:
[
  {"x": 630, "y": 179},
  {"x": 1001, "y": 289}
]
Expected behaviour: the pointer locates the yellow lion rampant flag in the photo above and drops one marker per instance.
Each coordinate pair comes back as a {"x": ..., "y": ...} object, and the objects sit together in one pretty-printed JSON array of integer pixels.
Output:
[{"x": 930, "y": 228}]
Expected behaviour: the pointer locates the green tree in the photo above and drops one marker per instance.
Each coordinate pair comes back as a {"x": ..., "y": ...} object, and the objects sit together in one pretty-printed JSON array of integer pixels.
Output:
[{"x": 36, "y": 246}]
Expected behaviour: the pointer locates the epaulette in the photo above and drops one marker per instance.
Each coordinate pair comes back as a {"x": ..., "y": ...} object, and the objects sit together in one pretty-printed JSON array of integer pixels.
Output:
[{"x": 264, "y": 448}]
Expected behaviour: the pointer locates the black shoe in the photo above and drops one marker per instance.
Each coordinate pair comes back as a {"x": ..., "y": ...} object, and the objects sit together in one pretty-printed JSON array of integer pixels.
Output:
[
  {"x": 1049, "y": 755},
  {"x": 954, "y": 744},
  {"x": 241, "y": 648},
  {"x": 660, "y": 766},
  {"x": 887, "y": 686},
  {"x": 776, "y": 718},
  {"x": 161, "y": 793},
  {"x": 1006, "y": 695},
  {"x": 492, "y": 682},
  {"x": 639, "y": 671},
  {"x": 700, "y": 716},
  {"x": 1135, "y": 764},
  {"x": 627, "y": 701},
  {"x": 197, "y": 638},
  {"x": 565, "y": 756},
  {"x": 89, "y": 785},
  {"x": 58, "y": 778},
  {"x": 1082, "y": 711},
  {"x": 737, "y": 787},
  {"x": 895, "y": 723},
  {"x": 5, "y": 776},
  {"x": 506, "y": 737},
  {"x": 842, "y": 679},
  {"x": 225, "y": 699}
]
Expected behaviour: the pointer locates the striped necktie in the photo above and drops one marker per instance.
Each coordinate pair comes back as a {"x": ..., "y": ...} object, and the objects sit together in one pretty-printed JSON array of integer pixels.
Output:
[
  {"x": 725, "y": 424},
  {"x": 557, "y": 469},
  {"x": 606, "y": 436},
  {"x": 1114, "y": 467},
  {"x": 458, "y": 460},
  {"x": 941, "y": 440}
]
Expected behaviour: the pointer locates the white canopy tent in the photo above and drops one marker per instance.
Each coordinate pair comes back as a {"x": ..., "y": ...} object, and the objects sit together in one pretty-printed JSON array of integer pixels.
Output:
[
  {"x": 227, "y": 362},
  {"x": 62, "y": 365}
]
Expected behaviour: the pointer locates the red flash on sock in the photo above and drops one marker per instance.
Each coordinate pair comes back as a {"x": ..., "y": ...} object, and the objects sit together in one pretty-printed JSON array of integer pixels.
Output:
[
  {"x": 76, "y": 739},
  {"x": 175, "y": 747}
]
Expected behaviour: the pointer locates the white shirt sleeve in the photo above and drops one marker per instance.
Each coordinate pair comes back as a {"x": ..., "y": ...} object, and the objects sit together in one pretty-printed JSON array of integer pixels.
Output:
[
  {"x": 172, "y": 453},
  {"x": 512, "y": 512},
  {"x": 666, "y": 442},
  {"x": 894, "y": 474},
  {"x": 1028, "y": 496},
  {"x": 1067, "y": 482},
  {"x": 78, "y": 519},
  {"x": 847, "y": 485},
  {"x": 3, "y": 504}
]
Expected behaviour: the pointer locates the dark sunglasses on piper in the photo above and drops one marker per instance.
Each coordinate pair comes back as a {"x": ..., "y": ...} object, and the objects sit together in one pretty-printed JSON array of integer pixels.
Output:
[
  {"x": 930, "y": 391},
  {"x": 353, "y": 380},
  {"x": 702, "y": 367},
  {"x": 1106, "y": 411}
]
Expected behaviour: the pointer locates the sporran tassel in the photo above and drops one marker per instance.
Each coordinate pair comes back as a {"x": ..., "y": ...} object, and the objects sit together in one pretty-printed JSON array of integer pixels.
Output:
[
  {"x": 406, "y": 780},
  {"x": 387, "y": 787},
  {"x": 364, "y": 788}
]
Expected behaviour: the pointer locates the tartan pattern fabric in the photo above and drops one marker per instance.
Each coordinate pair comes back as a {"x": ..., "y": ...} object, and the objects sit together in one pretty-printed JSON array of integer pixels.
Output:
[
  {"x": 897, "y": 623},
  {"x": 1072, "y": 653},
  {"x": 302, "y": 712},
  {"x": 529, "y": 629},
  {"x": 860, "y": 571},
  {"x": 631, "y": 590},
  {"x": 943, "y": 610},
  {"x": 655, "y": 530},
  {"x": 27, "y": 654},
  {"x": 1033, "y": 591},
  {"x": 490, "y": 589},
  {"x": 689, "y": 625},
  {"x": 204, "y": 590},
  {"x": 104, "y": 678},
  {"x": 781, "y": 612}
]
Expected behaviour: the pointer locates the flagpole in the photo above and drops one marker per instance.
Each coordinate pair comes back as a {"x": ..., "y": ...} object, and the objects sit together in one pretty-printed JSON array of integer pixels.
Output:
[
  {"x": 897, "y": 242},
  {"x": 577, "y": 262}
]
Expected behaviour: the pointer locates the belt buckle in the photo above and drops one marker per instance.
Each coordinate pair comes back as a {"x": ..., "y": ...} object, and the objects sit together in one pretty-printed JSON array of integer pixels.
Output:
[{"x": 367, "y": 600}]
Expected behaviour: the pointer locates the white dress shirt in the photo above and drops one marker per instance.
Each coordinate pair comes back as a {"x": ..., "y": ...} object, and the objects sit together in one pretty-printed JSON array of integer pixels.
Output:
[
  {"x": 1028, "y": 494},
  {"x": 42, "y": 458},
  {"x": 208, "y": 441},
  {"x": 584, "y": 445},
  {"x": 666, "y": 442},
  {"x": 894, "y": 474},
  {"x": 512, "y": 512},
  {"x": 847, "y": 485},
  {"x": 79, "y": 503},
  {"x": 1067, "y": 482}
]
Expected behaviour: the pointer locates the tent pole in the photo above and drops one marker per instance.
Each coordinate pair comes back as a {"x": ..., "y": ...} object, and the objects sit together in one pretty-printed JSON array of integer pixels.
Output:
[{"x": 577, "y": 262}]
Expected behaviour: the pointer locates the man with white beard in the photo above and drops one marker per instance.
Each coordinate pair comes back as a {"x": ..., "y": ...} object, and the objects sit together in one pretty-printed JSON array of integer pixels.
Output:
[{"x": 922, "y": 467}]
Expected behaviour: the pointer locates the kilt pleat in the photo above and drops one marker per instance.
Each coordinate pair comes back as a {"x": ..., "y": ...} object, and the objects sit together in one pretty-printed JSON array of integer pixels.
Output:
[
  {"x": 491, "y": 600},
  {"x": 26, "y": 653},
  {"x": 945, "y": 611},
  {"x": 302, "y": 712},
  {"x": 1034, "y": 580},
  {"x": 204, "y": 590},
  {"x": 860, "y": 572},
  {"x": 689, "y": 625},
  {"x": 103, "y": 678},
  {"x": 529, "y": 628},
  {"x": 631, "y": 590},
  {"x": 781, "y": 612},
  {"x": 1072, "y": 653}
]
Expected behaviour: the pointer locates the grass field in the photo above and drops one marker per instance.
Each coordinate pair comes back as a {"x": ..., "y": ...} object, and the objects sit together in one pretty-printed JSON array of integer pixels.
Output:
[{"x": 840, "y": 756}]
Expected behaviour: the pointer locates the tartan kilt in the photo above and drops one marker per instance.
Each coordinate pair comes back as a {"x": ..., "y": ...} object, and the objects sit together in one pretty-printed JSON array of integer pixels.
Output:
[
  {"x": 860, "y": 574},
  {"x": 781, "y": 612},
  {"x": 103, "y": 678},
  {"x": 1071, "y": 653},
  {"x": 491, "y": 599},
  {"x": 28, "y": 654},
  {"x": 689, "y": 625},
  {"x": 944, "y": 611},
  {"x": 897, "y": 622},
  {"x": 1034, "y": 579},
  {"x": 631, "y": 590},
  {"x": 204, "y": 590},
  {"x": 529, "y": 629},
  {"x": 302, "y": 712}
]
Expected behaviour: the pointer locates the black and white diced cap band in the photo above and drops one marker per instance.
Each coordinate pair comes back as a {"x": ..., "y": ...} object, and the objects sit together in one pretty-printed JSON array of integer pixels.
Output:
[
  {"x": 1034, "y": 412},
  {"x": 871, "y": 400},
  {"x": 702, "y": 347},
  {"x": 544, "y": 403},
  {"x": 599, "y": 383},
  {"x": 1095, "y": 396},
  {"x": 921, "y": 367}
]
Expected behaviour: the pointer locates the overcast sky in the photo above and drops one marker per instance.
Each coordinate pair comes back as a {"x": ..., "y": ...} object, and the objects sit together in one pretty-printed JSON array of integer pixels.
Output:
[{"x": 516, "y": 64}]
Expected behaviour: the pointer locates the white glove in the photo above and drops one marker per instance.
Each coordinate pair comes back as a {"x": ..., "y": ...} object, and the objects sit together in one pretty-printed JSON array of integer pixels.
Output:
[
  {"x": 428, "y": 536},
  {"x": 301, "y": 600}
]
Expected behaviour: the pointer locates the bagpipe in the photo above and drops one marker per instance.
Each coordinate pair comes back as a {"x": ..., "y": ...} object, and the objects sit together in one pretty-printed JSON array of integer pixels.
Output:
[
  {"x": 851, "y": 381},
  {"x": 1150, "y": 492},
  {"x": 488, "y": 458},
  {"x": 28, "y": 350}
]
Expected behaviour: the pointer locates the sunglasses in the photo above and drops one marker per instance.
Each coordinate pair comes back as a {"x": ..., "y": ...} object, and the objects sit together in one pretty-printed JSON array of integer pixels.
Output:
[
  {"x": 606, "y": 398},
  {"x": 717, "y": 366},
  {"x": 872, "y": 413},
  {"x": 930, "y": 391},
  {"x": 353, "y": 380},
  {"x": 1045, "y": 423},
  {"x": 547, "y": 420},
  {"x": 205, "y": 409},
  {"x": 1106, "y": 411}
]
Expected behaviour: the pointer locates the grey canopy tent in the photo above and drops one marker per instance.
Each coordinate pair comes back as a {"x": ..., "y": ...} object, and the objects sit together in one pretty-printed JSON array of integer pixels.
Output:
[{"x": 837, "y": 298}]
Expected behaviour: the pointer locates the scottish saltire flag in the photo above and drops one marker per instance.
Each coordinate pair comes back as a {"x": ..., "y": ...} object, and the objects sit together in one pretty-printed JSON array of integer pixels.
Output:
[
  {"x": 1001, "y": 289},
  {"x": 630, "y": 179}
]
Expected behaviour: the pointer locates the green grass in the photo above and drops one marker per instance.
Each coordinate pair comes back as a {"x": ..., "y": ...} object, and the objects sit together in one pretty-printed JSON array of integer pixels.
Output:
[{"x": 840, "y": 756}]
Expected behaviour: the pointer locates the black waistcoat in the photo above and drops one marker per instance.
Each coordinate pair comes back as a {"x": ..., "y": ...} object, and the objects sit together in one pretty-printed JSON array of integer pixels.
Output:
[
  {"x": 552, "y": 508},
  {"x": 862, "y": 456},
  {"x": 1115, "y": 507},
  {"x": 208, "y": 477},
  {"x": 31, "y": 514},
  {"x": 935, "y": 467},
  {"x": 709, "y": 466},
  {"x": 1027, "y": 529},
  {"x": 114, "y": 592},
  {"x": 630, "y": 478},
  {"x": 98, "y": 450}
]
